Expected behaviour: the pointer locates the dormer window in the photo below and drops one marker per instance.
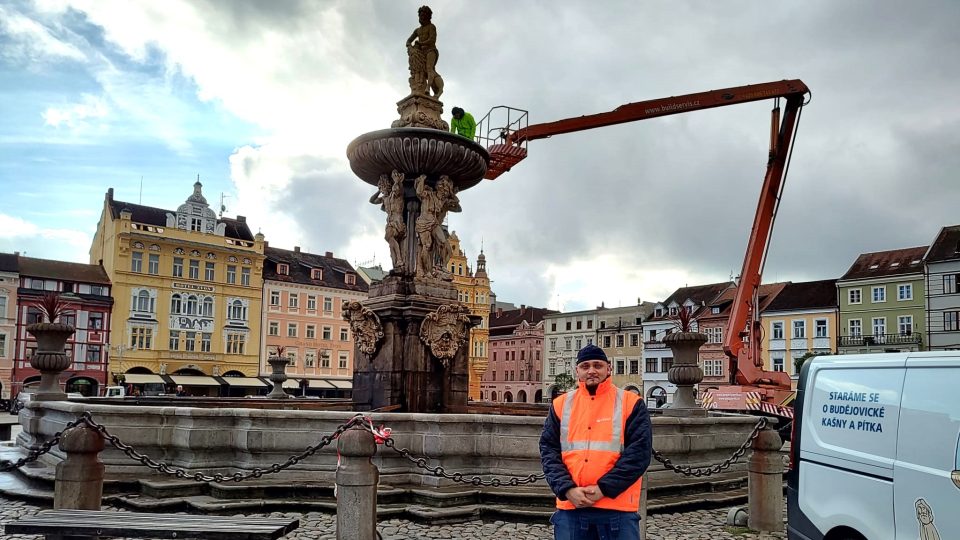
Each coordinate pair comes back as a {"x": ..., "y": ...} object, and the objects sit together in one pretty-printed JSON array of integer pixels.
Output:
[
  {"x": 283, "y": 269},
  {"x": 351, "y": 279},
  {"x": 316, "y": 273}
]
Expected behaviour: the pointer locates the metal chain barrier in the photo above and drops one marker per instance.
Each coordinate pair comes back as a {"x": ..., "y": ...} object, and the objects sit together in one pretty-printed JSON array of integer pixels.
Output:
[
  {"x": 439, "y": 471},
  {"x": 85, "y": 418},
  {"x": 687, "y": 470},
  {"x": 33, "y": 455},
  {"x": 381, "y": 435}
]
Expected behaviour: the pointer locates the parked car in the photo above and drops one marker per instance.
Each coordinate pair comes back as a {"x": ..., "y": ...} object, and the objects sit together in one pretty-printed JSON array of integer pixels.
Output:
[{"x": 876, "y": 448}]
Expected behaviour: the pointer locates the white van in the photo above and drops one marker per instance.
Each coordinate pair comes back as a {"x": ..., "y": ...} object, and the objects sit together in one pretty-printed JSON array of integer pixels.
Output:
[{"x": 876, "y": 448}]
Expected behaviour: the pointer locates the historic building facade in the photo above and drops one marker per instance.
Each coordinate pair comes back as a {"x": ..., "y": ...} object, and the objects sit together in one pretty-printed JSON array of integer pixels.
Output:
[
  {"x": 657, "y": 357},
  {"x": 303, "y": 295},
  {"x": 473, "y": 290},
  {"x": 85, "y": 290},
  {"x": 516, "y": 356},
  {"x": 564, "y": 334},
  {"x": 187, "y": 288},
  {"x": 801, "y": 319},
  {"x": 9, "y": 282},
  {"x": 620, "y": 334},
  {"x": 943, "y": 290},
  {"x": 882, "y": 305}
]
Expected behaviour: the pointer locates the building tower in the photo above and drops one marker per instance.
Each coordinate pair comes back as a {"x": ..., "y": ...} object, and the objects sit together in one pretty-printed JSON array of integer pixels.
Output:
[{"x": 473, "y": 290}]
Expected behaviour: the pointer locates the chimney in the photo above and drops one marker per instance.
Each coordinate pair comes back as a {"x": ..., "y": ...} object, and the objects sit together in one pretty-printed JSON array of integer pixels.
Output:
[
  {"x": 242, "y": 219},
  {"x": 296, "y": 249},
  {"x": 328, "y": 254},
  {"x": 499, "y": 312},
  {"x": 110, "y": 194},
  {"x": 523, "y": 308}
]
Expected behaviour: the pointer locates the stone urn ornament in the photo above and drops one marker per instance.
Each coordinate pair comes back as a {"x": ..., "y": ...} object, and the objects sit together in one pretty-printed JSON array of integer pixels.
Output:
[
  {"x": 279, "y": 375},
  {"x": 50, "y": 358},
  {"x": 685, "y": 371}
]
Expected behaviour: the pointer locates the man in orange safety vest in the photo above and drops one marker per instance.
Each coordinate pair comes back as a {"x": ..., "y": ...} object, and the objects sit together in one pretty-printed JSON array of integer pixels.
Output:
[{"x": 595, "y": 446}]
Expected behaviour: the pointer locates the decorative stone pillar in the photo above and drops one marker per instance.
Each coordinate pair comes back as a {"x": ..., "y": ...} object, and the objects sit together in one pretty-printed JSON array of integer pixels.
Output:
[
  {"x": 50, "y": 359},
  {"x": 278, "y": 376},
  {"x": 765, "y": 483},
  {"x": 357, "y": 479},
  {"x": 685, "y": 372},
  {"x": 79, "y": 478}
]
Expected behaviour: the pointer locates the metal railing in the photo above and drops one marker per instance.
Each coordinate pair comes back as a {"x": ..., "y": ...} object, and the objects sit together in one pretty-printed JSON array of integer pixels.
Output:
[{"x": 914, "y": 338}]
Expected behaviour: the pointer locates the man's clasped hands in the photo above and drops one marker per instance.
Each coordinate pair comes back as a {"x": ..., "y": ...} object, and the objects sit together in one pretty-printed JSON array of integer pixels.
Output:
[{"x": 584, "y": 497}]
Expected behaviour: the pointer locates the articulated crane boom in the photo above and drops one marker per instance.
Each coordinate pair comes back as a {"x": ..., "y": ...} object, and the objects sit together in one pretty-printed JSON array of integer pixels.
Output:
[{"x": 507, "y": 144}]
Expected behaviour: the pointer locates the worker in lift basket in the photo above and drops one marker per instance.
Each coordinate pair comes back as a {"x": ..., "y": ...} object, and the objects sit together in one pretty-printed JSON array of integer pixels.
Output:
[
  {"x": 463, "y": 123},
  {"x": 595, "y": 446}
]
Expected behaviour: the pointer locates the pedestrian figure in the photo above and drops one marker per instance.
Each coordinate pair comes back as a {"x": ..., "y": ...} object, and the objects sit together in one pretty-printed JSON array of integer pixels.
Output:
[
  {"x": 180, "y": 391},
  {"x": 595, "y": 446},
  {"x": 463, "y": 123}
]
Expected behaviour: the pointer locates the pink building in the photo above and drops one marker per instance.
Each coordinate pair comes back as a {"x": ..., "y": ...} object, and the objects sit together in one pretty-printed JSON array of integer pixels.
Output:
[
  {"x": 515, "y": 364},
  {"x": 85, "y": 288},
  {"x": 9, "y": 281},
  {"x": 303, "y": 296}
]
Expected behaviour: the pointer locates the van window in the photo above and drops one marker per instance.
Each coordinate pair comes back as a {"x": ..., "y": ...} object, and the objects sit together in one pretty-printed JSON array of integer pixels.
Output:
[{"x": 853, "y": 414}]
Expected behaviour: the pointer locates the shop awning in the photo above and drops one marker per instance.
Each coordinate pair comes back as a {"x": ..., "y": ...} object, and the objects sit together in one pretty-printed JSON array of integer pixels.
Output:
[
  {"x": 320, "y": 383},
  {"x": 194, "y": 380},
  {"x": 142, "y": 378},
  {"x": 341, "y": 383},
  {"x": 291, "y": 383},
  {"x": 249, "y": 382}
]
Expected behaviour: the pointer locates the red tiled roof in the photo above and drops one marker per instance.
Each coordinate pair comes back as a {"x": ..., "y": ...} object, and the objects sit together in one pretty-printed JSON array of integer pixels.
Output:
[
  {"x": 504, "y": 322},
  {"x": 887, "y": 263},
  {"x": 62, "y": 270},
  {"x": 806, "y": 295},
  {"x": 301, "y": 265},
  {"x": 8, "y": 262},
  {"x": 947, "y": 245}
]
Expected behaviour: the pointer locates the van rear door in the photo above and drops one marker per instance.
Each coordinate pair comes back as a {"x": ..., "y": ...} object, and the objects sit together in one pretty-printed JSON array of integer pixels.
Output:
[
  {"x": 848, "y": 442},
  {"x": 926, "y": 497}
]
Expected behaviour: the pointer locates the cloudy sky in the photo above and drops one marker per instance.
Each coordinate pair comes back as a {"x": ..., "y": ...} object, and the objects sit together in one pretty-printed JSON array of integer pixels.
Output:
[{"x": 260, "y": 99}]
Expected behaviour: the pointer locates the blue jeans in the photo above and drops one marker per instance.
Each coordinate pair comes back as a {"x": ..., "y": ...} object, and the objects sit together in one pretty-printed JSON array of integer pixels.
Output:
[{"x": 595, "y": 524}]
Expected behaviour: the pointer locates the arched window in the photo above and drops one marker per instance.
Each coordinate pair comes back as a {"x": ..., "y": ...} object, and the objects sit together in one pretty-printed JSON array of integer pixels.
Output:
[
  {"x": 143, "y": 302},
  {"x": 176, "y": 304},
  {"x": 521, "y": 397},
  {"x": 236, "y": 311},
  {"x": 192, "y": 305},
  {"x": 508, "y": 397},
  {"x": 208, "y": 307},
  {"x": 538, "y": 396},
  {"x": 493, "y": 396}
]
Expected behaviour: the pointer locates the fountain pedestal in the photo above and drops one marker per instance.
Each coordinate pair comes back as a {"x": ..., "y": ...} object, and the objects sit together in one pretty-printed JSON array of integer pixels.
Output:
[{"x": 404, "y": 373}]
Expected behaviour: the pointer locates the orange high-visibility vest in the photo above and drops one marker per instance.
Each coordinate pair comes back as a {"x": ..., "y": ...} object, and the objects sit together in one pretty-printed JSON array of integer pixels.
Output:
[{"x": 592, "y": 437}]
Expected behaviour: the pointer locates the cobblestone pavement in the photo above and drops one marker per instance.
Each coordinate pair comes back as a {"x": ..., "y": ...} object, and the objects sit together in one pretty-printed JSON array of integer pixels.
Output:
[{"x": 699, "y": 525}]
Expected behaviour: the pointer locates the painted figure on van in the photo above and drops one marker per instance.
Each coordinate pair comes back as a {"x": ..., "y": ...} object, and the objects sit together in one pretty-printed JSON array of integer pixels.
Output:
[
  {"x": 956, "y": 467},
  {"x": 928, "y": 531}
]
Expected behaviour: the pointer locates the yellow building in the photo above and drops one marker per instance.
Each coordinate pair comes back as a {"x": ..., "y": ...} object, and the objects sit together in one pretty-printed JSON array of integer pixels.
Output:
[
  {"x": 801, "y": 319},
  {"x": 187, "y": 291},
  {"x": 473, "y": 290}
]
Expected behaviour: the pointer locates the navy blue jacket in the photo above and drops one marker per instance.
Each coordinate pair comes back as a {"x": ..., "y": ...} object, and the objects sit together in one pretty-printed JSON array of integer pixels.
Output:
[{"x": 633, "y": 461}]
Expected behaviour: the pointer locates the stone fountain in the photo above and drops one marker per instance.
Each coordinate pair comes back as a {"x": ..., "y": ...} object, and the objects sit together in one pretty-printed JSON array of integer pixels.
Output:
[{"x": 411, "y": 333}]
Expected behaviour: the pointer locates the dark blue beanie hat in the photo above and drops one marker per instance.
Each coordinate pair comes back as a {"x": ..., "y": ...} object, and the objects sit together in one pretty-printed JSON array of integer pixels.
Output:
[{"x": 591, "y": 352}]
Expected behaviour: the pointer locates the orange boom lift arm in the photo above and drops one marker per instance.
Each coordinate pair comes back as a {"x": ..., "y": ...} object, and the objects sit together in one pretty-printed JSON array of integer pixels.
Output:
[{"x": 507, "y": 144}]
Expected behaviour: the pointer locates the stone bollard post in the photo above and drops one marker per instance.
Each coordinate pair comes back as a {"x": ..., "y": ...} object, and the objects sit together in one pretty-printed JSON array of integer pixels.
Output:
[
  {"x": 79, "y": 478},
  {"x": 357, "y": 479},
  {"x": 644, "y": 488},
  {"x": 765, "y": 483}
]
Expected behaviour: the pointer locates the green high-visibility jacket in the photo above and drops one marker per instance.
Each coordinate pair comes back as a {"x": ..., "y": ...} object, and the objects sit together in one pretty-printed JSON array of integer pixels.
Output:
[{"x": 466, "y": 126}]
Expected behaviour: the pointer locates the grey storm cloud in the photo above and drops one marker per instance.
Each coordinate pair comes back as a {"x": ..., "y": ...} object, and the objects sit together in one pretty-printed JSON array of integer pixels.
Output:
[{"x": 874, "y": 166}]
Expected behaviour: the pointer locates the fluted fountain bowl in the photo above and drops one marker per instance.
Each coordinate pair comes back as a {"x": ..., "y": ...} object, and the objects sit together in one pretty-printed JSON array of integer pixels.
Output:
[{"x": 416, "y": 151}]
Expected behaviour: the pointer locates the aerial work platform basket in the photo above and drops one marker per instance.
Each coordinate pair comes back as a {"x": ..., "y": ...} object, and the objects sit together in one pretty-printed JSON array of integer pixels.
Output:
[{"x": 496, "y": 132}]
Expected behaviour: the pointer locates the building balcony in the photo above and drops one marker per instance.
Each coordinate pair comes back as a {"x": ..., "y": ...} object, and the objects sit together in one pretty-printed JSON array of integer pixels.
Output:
[
  {"x": 881, "y": 340},
  {"x": 656, "y": 344},
  {"x": 778, "y": 344}
]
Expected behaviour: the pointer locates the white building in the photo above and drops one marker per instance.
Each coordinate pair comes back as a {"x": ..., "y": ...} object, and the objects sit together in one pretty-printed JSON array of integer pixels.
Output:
[{"x": 943, "y": 290}]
